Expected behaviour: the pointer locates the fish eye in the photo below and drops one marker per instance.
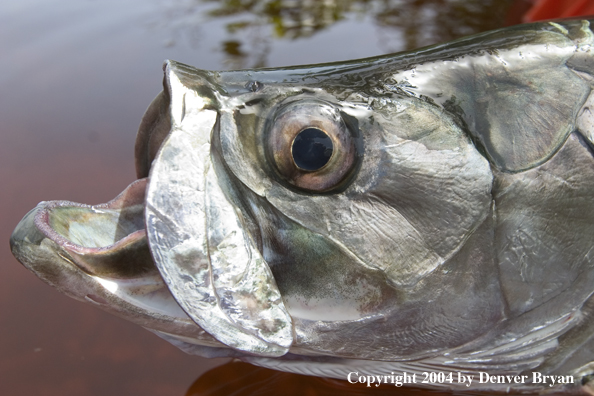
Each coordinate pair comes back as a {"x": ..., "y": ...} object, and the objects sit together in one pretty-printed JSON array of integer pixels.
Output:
[
  {"x": 311, "y": 149},
  {"x": 311, "y": 146}
]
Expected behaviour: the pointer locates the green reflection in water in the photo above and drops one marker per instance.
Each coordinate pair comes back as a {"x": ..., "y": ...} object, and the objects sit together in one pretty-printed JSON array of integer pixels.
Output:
[
  {"x": 421, "y": 22},
  {"x": 415, "y": 23}
]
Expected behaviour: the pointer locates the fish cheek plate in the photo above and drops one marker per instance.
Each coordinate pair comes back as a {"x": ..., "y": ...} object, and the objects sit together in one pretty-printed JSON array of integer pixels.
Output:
[{"x": 198, "y": 240}]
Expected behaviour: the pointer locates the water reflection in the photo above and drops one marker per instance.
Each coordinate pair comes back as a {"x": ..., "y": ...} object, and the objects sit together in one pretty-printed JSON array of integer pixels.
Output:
[
  {"x": 242, "y": 379},
  {"x": 252, "y": 26},
  {"x": 417, "y": 22}
]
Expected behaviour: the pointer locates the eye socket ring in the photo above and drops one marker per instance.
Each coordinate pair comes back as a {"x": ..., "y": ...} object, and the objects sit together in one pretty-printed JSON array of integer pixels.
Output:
[{"x": 328, "y": 152}]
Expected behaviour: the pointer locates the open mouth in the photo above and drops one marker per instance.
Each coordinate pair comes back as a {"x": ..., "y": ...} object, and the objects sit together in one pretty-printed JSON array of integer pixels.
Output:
[
  {"x": 99, "y": 254},
  {"x": 107, "y": 240}
]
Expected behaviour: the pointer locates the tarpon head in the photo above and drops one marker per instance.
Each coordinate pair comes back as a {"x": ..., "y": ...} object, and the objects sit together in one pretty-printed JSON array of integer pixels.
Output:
[
  {"x": 426, "y": 209},
  {"x": 269, "y": 203}
]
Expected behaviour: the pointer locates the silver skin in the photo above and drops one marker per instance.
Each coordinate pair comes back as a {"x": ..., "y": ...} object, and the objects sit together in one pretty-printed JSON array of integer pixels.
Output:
[{"x": 452, "y": 229}]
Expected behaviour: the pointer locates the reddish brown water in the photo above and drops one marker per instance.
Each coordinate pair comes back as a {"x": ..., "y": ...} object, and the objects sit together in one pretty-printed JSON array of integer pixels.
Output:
[
  {"x": 243, "y": 379},
  {"x": 75, "y": 79}
]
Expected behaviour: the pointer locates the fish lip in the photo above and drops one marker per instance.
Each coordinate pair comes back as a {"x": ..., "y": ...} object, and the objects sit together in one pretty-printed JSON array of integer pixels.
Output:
[
  {"x": 108, "y": 261},
  {"x": 42, "y": 219}
]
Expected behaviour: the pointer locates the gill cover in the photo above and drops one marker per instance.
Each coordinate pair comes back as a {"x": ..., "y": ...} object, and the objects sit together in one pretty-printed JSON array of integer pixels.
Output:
[{"x": 200, "y": 242}]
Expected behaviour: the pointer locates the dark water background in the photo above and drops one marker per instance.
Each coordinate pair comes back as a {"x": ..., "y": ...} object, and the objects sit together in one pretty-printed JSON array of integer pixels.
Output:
[{"x": 75, "y": 79}]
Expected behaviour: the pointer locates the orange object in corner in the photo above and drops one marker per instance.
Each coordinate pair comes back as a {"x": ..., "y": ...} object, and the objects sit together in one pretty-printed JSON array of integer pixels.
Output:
[{"x": 552, "y": 9}]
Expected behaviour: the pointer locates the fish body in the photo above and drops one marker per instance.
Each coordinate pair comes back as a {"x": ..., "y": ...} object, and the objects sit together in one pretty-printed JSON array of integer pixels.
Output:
[{"x": 424, "y": 211}]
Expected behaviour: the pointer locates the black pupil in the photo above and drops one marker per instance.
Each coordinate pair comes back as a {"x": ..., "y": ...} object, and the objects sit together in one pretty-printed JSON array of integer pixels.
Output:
[{"x": 312, "y": 149}]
